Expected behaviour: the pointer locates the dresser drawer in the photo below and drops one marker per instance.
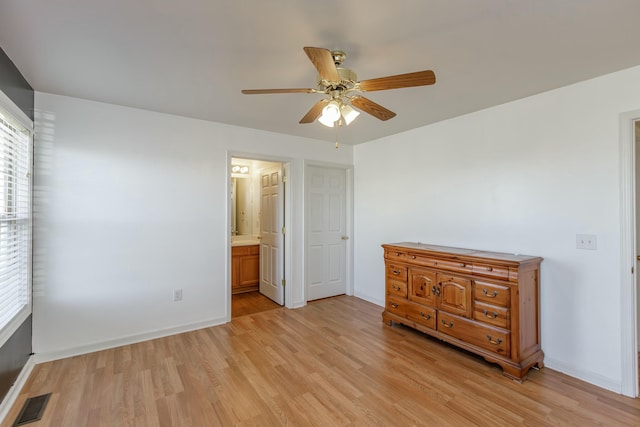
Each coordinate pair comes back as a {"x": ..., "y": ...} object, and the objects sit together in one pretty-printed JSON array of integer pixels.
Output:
[
  {"x": 492, "y": 314},
  {"x": 425, "y": 316},
  {"x": 392, "y": 254},
  {"x": 397, "y": 306},
  {"x": 397, "y": 288},
  {"x": 460, "y": 266},
  {"x": 491, "y": 293},
  {"x": 427, "y": 261},
  {"x": 487, "y": 337},
  {"x": 396, "y": 272},
  {"x": 491, "y": 271}
]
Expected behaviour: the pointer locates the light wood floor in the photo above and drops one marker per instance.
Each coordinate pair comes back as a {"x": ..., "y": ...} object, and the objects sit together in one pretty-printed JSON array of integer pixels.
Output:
[
  {"x": 331, "y": 363},
  {"x": 250, "y": 303}
]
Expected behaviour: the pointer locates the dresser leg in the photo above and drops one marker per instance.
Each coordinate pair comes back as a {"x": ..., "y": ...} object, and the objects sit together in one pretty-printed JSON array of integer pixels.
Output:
[{"x": 386, "y": 319}]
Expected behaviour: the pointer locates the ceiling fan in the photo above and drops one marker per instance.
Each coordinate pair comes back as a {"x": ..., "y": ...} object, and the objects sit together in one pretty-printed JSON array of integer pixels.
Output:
[{"x": 341, "y": 85}]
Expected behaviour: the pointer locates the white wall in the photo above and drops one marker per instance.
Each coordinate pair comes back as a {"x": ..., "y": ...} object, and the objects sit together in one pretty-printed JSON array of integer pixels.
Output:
[
  {"x": 523, "y": 177},
  {"x": 131, "y": 204}
]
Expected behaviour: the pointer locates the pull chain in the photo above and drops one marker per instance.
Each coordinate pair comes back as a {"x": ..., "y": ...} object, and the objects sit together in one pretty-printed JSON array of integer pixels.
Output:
[{"x": 337, "y": 126}]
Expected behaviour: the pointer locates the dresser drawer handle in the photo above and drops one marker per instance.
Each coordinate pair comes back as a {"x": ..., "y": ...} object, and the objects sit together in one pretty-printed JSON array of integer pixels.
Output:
[
  {"x": 490, "y": 315},
  {"x": 447, "y": 325},
  {"x": 493, "y": 295},
  {"x": 393, "y": 304},
  {"x": 462, "y": 264},
  {"x": 494, "y": 342},
  {"x": 489, "y": 268},
  {"x": 396, "y": 272},
  {"x": 426, "y": 316},
  {"x": 397, "y": 253},
  {"x": 413, "y": 257},
  {"x": 397, "y": 288},
  {"x": 435, "y": 291}
]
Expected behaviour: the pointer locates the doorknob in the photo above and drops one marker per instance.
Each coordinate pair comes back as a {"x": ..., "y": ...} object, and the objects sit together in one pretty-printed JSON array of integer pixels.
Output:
[{"x": 347, "y": 238}]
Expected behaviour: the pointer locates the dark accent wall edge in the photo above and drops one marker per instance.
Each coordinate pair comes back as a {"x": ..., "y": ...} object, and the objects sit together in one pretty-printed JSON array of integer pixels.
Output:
[
  {"x": 15, "y": 86},
  {"x": 14, "y": 355}
]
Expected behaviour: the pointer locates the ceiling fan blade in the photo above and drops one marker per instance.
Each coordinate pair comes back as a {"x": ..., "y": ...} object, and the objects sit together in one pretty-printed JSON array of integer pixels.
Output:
[
  {"x": 314, "y": 112},
  {"x": 419, "y": 78},
  {"x": 368, "y": 106},
  {"x": 261, "y": 91},
  {"x": 323, "y": 61}
]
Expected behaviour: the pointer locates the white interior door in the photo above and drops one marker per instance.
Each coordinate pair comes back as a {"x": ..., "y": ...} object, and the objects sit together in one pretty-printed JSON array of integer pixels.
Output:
[
  {"x": 326, "y": 228},
  {"x": 271, "y": 243},
  {"x": 637, "y": 226}
]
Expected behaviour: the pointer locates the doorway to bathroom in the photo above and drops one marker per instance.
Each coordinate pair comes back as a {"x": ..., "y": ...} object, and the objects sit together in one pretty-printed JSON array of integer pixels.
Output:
[{"x": 257, "y": 231}]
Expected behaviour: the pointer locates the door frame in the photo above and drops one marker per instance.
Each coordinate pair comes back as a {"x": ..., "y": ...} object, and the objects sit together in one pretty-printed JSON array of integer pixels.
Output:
[
  {"x": 287, "y": 171},
  {"x": 349, "y": 224},
  {"x": 628, "y": 275}
]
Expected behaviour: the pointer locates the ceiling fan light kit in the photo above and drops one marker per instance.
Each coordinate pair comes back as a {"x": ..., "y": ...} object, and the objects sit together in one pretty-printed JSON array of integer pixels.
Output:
[
  {"x": 337, "y": 111},
  {"x": 339, "y": 83}
]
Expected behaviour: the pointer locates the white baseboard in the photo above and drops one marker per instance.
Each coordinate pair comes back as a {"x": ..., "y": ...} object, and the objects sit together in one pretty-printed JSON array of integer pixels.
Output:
[
  {"x": 595, "y": 379},
  {"x": 132, "y": 339},
  {"x": 15, "y": 389},
  {"x": 369, "y": 298}
]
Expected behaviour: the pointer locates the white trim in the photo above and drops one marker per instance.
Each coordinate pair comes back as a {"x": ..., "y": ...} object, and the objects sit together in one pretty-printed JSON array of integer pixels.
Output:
[
  {"x": 369, "y": 298},
  {"x": 16, "y": 388},
  {"x": 628, "y": 309},
  {"x": 610, "y": 384},
  {"x": 131, "y": 339}
]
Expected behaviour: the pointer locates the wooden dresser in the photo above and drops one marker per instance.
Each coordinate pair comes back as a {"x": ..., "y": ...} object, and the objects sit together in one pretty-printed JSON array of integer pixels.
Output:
[
  {"x": 484, "y": 302},
  {"x": 245, "y": 268}
]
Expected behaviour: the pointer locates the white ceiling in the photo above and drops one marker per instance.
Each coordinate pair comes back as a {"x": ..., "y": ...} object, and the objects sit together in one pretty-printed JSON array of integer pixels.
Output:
[{"x": 192, "y": 57}]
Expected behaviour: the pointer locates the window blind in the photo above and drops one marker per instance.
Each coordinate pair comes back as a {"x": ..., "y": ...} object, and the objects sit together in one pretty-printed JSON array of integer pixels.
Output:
[{"x": 15, "y": 218}]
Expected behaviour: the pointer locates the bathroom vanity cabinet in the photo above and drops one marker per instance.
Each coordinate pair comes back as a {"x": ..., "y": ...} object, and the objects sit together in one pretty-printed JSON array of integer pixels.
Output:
[
  {"x": 245, "y": 268},
  {"x": 484, "y": 302}
]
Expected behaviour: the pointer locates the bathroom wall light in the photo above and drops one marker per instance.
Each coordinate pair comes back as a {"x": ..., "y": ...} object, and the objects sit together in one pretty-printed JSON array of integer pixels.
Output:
[{"x": 240, "y": 169}]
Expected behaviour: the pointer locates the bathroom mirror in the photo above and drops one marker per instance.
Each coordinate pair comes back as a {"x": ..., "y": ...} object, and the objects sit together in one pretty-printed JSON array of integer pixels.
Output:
[{"x": 241, "y": 206}]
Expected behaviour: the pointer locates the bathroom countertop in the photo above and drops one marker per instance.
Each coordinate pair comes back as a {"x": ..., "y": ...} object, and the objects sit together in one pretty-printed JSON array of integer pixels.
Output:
[{"x": 244, "y": 241}]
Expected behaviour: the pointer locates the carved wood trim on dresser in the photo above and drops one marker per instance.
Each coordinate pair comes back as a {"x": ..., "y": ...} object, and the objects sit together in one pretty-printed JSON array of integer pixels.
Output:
[{"x": 484, "y": 302}]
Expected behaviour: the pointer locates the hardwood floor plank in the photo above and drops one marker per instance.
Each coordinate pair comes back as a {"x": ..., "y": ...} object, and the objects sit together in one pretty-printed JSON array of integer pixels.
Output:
[{"x": 332, "y": 362}]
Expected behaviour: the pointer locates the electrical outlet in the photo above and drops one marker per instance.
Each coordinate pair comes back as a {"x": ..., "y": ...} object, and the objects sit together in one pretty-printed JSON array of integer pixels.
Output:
[
  {"x": 177, "y": 295},
  {"x": 586, "y": 241}
]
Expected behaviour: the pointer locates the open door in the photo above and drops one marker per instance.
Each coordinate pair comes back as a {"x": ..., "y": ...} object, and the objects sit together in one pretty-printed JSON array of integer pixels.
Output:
[{"x": 271, "y": 234}]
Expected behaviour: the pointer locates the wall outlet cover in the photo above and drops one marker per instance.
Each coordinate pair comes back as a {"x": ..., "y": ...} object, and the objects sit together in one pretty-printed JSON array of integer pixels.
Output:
[{"x": 587, "y": 241}]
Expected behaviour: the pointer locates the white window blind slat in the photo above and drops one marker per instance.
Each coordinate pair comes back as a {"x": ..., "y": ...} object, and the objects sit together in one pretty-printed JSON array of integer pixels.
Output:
[{"x": 15, "y": 218}]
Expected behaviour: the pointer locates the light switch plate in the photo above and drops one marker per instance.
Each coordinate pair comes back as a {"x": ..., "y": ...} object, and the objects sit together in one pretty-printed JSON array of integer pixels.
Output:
[{"x": 586, "y": 241}]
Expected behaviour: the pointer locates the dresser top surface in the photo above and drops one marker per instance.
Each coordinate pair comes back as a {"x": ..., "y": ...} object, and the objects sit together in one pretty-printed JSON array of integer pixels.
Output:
[{"x": 462, "y": 252}]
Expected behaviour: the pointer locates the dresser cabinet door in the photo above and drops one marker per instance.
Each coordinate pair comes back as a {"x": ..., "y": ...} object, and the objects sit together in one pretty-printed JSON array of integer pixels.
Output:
[
  {"x": 454, "y": 294},
  {"x": 423, "y": 286}
]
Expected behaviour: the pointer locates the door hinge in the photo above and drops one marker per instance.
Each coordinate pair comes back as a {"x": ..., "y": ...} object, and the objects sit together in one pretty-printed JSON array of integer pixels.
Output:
[
  {"x": 284, "y": 230},
  {"x": 284, "y": 178},
  {"x": 284, "y": 282}
]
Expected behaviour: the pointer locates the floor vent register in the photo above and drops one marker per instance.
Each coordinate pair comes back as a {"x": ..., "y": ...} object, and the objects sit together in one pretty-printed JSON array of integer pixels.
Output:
[{"x": 32, "y": 410}]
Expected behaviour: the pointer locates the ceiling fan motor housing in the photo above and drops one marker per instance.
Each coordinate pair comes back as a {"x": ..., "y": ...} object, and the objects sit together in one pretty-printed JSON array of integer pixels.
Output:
[{"x": 348, "y": 79}]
